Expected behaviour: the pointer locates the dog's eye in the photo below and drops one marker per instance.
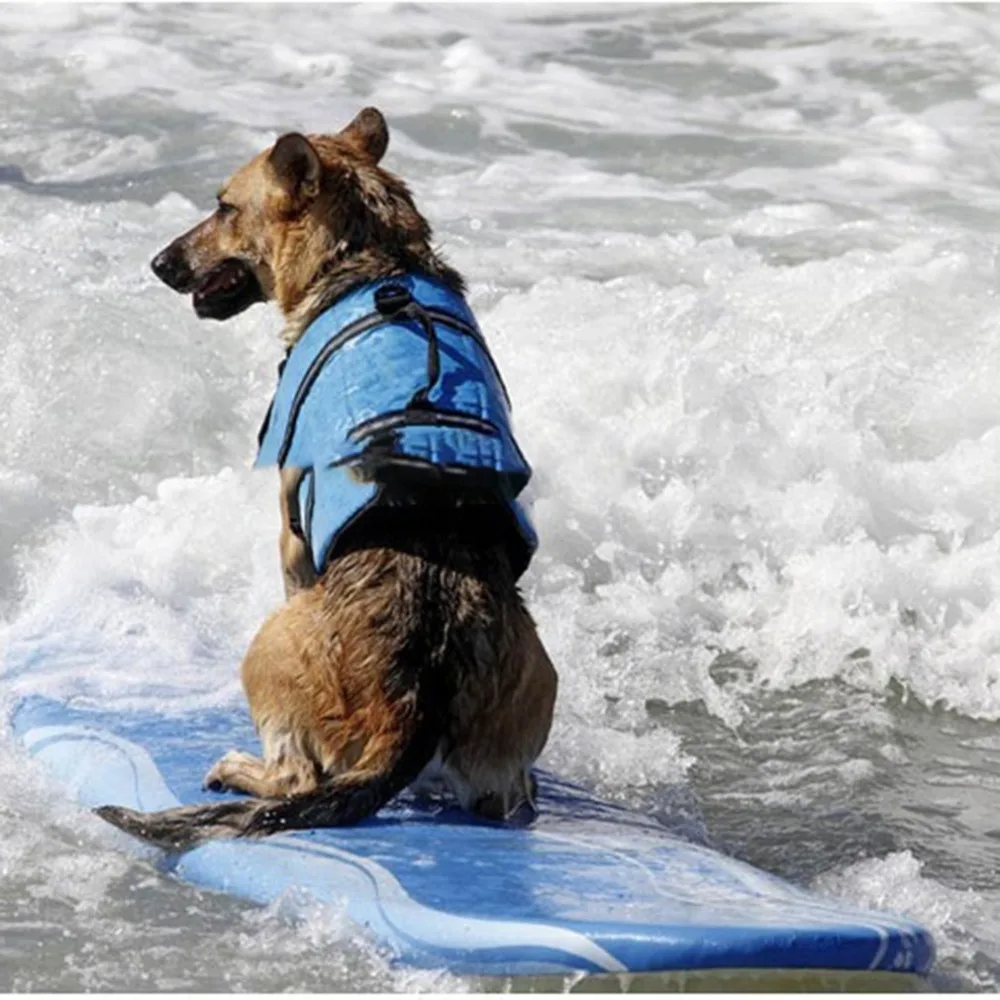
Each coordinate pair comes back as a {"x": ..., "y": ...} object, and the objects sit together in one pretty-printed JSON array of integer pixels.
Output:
[{"x": 225, "y": 208}]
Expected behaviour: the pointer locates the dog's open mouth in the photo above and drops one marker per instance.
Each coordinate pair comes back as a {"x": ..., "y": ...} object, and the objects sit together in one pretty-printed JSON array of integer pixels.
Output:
[{"x": 228, "y": 289}]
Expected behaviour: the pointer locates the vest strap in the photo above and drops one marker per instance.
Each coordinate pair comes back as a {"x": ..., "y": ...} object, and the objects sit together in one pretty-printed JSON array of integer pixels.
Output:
[{"x": 414, "y": 416}]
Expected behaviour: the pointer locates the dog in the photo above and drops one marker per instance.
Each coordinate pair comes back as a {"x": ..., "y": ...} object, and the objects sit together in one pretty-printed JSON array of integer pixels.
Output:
[{"x": 403, "y": 650}]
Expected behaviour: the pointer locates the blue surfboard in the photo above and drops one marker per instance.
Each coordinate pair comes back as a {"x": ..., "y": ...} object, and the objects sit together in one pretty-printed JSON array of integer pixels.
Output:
[{"x": 589, "y": 888}]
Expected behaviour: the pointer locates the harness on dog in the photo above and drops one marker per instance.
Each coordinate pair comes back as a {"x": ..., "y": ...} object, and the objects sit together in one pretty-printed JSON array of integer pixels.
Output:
[{"x": 391, "y": 395}]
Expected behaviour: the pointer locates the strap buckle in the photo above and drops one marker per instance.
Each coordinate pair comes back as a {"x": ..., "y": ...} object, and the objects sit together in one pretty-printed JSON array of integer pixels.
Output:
[{"x": 392, "y": 298}]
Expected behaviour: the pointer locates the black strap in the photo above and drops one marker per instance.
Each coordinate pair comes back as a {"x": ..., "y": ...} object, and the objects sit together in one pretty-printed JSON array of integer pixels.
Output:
[
  {"x": 394, "y": 301},
  {"x": 359, "y": 326},
  {"x": 418, "y": 417},
  {"x": 266, "y": 422},
  {"x": 449, "y": 319}
]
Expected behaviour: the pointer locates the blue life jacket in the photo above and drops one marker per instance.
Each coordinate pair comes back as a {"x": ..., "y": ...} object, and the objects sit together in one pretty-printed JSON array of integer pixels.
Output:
[{"x": 394, "y": 384}]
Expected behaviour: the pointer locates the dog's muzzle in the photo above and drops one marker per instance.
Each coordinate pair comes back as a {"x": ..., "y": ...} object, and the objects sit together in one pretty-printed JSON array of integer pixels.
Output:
[
  {"x": 225, "y": 290},
  {"x": 171, "y": 267}
]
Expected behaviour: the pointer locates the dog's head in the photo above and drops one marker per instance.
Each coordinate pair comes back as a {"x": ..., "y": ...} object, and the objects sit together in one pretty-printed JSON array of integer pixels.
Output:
[{"x": 290, "y": 215}]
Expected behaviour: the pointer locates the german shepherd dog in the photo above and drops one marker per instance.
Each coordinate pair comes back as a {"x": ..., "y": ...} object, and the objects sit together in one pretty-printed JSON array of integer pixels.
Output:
[{"x": 411, "y": 652}]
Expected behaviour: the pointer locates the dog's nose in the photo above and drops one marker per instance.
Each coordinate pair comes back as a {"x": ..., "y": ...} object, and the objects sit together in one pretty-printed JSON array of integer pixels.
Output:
[{"x": 172, "y": 269}]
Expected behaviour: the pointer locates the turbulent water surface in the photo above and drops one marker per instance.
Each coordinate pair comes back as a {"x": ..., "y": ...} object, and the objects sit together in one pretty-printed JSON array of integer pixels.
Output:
[{"x": 739, "y": 267}]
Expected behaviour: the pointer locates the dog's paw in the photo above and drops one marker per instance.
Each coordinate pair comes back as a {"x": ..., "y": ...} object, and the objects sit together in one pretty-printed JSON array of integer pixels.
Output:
[{"x": 224, "y": 774}]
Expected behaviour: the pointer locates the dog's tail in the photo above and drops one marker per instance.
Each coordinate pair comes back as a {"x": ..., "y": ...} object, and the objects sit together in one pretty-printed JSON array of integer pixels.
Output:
[{"x": 338, "y": 801}]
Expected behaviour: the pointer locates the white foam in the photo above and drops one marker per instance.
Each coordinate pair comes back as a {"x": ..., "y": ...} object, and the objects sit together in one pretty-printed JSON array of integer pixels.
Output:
[{"x": 961, "y": 920}]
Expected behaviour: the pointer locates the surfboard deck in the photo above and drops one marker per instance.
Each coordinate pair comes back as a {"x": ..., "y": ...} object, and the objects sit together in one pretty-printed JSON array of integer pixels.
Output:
[{"x": 588, "y": 888}]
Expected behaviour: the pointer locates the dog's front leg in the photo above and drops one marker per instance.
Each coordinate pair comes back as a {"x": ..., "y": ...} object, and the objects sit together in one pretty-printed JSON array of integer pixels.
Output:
[{"x": 296, "y": 561}]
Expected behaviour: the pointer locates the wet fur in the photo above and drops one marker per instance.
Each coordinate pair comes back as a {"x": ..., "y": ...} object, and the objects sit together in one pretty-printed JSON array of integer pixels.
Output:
[{"x": 413, "y": 651}]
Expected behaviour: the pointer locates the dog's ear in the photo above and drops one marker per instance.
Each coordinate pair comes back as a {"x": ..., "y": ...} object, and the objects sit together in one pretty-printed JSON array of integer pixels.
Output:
[
  {"x": 298, "y": 167},
  {"x": 368, "y": 134}
]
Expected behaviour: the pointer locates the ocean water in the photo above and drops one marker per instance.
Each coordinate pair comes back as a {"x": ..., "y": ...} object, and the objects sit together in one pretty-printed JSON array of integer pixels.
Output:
[{"x": 739, "y": 266}]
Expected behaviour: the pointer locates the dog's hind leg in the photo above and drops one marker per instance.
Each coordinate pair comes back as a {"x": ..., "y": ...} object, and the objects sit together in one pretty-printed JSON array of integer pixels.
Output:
[
  {"x": 503, "y": 724},
  {"x": 342, "y": 698},
  {"x": 280, "y": 680}
]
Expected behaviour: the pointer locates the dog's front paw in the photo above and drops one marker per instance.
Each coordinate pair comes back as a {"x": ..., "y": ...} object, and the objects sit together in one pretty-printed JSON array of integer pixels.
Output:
[{"x": 224, "y": 773}]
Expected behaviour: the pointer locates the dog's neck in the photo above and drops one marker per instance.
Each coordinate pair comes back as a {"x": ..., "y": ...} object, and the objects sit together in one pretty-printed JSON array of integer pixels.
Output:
[{"x": 344, "y": 270}]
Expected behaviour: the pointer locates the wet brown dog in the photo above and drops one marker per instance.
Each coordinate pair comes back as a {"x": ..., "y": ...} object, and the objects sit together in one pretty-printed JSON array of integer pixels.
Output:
[{"x": 412, "y": 652}]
